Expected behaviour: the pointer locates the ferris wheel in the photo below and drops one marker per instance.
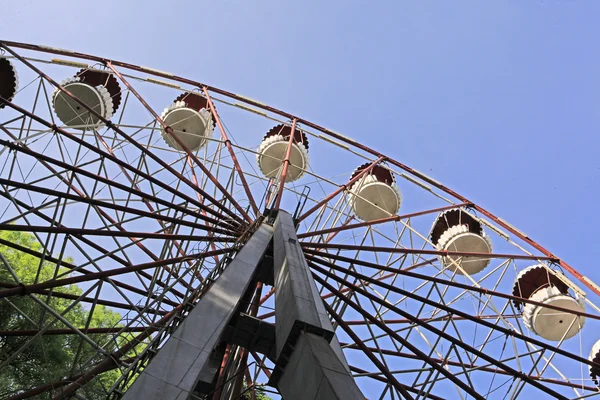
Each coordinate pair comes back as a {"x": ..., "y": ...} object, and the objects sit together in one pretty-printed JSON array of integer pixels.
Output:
[{"x": 241, "y": 251}]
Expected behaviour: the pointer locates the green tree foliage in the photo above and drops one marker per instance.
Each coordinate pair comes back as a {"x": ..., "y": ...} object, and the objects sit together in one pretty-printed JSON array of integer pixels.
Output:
[
  {"x": 260, "y": 393},
  {"x": 50, "y": 358},
  {"x": 47, "y": 358}
]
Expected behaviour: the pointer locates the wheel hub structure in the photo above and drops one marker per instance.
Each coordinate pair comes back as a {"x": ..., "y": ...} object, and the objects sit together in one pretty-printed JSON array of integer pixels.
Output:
[{"x": 206, "y": 251}]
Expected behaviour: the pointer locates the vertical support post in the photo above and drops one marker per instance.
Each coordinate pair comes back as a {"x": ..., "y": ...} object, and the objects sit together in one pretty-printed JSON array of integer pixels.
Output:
[
  {"x": 191, "y": 356},
  {"x": 310, "y": 363},
  {"x": 286, "y": 165}
]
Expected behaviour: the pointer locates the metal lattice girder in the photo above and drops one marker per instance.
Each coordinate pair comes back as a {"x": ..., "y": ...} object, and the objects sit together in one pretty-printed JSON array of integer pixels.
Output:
[
  {"x": 137, "y": 224},
  {"x": 175, "y": 371},
  {"x": 308, "y": 365}
]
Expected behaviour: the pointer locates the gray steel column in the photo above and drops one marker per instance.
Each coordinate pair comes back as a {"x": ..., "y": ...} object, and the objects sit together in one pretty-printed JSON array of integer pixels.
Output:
[
  {"x": 185, "y": 362},
  {"x": 310, "y": 363}
]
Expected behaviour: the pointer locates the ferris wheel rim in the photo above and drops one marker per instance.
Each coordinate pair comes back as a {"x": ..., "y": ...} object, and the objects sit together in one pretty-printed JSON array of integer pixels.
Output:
[{"x": 333, "y": 134}]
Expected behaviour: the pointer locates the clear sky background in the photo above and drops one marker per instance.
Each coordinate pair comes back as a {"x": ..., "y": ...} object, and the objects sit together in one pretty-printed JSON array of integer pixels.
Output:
[{"x": 499, "y": 100}]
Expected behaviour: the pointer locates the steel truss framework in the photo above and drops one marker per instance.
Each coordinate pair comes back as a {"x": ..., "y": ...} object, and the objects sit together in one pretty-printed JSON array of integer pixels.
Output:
[{"x": 145, "y": 230}]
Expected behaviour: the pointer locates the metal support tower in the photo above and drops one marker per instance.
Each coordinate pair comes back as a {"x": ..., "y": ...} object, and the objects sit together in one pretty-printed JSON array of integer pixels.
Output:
[
  {"x": 309, "y": 363},
  {"x": 190, "y": 358}
]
